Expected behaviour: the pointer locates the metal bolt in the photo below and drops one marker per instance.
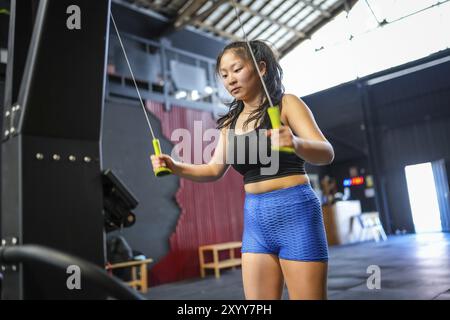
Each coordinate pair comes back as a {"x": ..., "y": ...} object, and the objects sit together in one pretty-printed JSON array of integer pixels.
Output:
[
  {"x": 6, "y": 133},
  {"x": 72, "y": 158},
  {"x": 3, "y": 242},
  {"x": 12, "y": 130},
  {"x": 87, "y": 159},
  {"x": 56, "y": 157},
  {"x": 39, "y": 156},
  {"x": 3, "y": 268},
  {"x": 14, "y": 240},
  {"x": 14, "y": 268},
  {"x": 7, "y": 113}
]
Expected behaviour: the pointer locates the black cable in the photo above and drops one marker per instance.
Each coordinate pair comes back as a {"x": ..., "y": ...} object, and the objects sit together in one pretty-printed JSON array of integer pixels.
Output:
[
  {"x": 373, "y": 13},
  {"x": 30, "y": 254}
]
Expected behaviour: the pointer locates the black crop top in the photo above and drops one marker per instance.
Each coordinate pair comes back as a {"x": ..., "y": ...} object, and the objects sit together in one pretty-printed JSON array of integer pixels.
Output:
[{"x": 252, "y": 156}]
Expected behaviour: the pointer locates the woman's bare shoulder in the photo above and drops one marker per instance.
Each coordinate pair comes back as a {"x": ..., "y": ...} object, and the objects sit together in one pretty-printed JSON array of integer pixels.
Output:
[
  {"x": 289, "y": 98},
  {"x": 287, "y": 101}
]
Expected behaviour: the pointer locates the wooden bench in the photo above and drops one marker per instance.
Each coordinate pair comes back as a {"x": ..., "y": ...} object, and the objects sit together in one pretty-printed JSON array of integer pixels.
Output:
[
  {"x": 217, "y": 264},
  {"x": 136, "y": 281}
]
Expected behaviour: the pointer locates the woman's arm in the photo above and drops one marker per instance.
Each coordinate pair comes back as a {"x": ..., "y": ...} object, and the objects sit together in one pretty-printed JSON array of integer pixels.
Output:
[
  {"x": 314, "y": 152},
  {"x": 211, "y": 171},
  {"x": 196, "y": 172},
  {"x": 309, "y": 143}
]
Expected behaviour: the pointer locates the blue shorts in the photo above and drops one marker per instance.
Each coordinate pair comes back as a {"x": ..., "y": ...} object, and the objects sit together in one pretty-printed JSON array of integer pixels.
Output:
[{"x": 286, "y": 222}]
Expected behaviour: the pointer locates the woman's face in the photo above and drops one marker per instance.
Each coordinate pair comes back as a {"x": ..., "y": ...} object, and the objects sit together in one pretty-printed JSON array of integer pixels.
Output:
[{"x": 239, "y": 77}]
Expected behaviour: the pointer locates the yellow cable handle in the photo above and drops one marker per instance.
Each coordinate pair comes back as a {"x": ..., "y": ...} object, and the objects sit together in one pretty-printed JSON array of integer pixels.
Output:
[
  {"x": 274, "y": 115},
  {"x": 161, "y": 171}
]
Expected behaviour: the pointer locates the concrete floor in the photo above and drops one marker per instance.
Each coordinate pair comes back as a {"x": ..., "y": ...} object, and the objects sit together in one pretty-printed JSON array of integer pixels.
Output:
[{"x": 411, "y": 267}]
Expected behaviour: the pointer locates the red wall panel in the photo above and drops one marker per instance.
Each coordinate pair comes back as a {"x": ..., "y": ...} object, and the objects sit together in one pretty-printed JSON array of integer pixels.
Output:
[{"x": 210, "y": 212}]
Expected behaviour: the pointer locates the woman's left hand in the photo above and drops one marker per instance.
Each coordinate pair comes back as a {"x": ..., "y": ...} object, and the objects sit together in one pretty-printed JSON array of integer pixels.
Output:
[{"x": 281, "y": 137}]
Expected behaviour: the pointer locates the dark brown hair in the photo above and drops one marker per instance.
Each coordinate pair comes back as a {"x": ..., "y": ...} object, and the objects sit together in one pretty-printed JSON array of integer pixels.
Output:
[{"x": 272, "y": 79}]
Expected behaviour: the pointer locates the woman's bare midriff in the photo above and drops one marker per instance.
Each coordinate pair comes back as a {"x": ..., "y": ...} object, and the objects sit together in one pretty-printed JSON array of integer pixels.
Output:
[{"x": 275, "y": 184}]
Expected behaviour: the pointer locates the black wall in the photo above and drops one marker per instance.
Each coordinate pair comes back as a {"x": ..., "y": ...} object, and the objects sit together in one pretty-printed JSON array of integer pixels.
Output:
[{"x": 412, "y": 117}]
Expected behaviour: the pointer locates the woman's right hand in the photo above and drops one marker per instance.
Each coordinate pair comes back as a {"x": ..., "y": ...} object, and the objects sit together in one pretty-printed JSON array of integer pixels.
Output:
[{"x": 163, "y": 160}]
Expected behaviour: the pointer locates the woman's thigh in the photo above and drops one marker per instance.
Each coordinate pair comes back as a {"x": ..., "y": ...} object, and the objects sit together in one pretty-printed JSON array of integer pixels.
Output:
[
  {"x": 305, "y": 279},
  {"x": 262, "y": 276}
]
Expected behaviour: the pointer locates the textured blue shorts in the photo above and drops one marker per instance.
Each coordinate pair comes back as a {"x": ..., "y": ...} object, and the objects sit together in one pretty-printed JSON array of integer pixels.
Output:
[{"x": 286, "y": 222}]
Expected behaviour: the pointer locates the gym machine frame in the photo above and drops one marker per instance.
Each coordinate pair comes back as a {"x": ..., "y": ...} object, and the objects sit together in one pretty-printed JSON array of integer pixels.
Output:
[{"x": 51, "y": 157}]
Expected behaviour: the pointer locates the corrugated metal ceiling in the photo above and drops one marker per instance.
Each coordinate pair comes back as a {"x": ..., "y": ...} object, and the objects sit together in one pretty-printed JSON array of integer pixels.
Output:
[{"x": 282, "y": 23}]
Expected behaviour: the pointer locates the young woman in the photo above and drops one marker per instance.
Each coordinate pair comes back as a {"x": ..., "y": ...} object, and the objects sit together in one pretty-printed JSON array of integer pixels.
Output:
[{"x": 284, "y": 238}]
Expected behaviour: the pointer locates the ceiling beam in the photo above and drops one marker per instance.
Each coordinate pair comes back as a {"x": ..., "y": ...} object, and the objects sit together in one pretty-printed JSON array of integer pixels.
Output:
[
  {"x": 189, "y": 11},
  {"x": 208, "y": 27},
  {"x": 317, "y": 24},
  {"x": 278, "y": 17},
  {"x": 240, "y": 13},
  {"x": 204, "y": 15},
  {"x": 257, "y": 14},
  {"x": 323, "y": 12},
  {"x": 296, "y": 26}
]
